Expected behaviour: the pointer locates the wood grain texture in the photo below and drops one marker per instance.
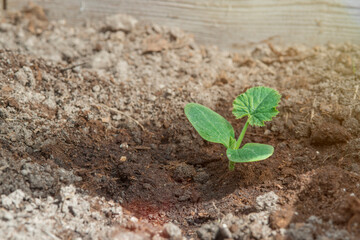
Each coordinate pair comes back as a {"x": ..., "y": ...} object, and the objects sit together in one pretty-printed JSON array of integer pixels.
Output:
[{"x": 228, "y": 23}]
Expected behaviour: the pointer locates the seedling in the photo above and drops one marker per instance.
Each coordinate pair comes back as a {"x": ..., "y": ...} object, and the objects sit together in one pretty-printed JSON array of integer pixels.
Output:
[{"x": 257, "y": 103}]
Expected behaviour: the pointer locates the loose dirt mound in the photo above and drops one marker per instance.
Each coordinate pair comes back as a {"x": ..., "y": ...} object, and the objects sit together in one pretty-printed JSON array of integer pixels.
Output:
[{"x": 101, "y": 107}]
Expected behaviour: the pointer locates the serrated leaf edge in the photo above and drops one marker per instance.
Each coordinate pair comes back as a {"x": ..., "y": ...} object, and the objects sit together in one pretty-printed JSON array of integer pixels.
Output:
[{"x": 251, "y": 116}]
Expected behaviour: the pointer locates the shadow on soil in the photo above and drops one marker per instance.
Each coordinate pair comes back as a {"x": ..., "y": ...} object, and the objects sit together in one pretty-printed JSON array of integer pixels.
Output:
[
  {"x": 152, "y": 176},
  {"x": 189, "y": 181}
]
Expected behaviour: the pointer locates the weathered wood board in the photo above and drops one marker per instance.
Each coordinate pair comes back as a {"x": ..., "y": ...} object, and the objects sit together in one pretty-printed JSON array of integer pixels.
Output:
[{"x": 228, "y": 23}]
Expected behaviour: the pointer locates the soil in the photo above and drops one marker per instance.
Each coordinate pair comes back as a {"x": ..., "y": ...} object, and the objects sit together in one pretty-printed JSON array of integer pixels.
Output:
[{"x": 100, "y": 107}]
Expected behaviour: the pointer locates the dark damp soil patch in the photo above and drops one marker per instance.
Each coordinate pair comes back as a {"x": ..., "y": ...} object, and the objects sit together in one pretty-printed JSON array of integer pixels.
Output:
[{"x": 155, "y": 179}]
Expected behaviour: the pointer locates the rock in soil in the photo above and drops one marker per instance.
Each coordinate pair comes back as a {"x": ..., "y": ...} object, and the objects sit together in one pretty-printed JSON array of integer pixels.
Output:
[{"x": 172, "y": 231}]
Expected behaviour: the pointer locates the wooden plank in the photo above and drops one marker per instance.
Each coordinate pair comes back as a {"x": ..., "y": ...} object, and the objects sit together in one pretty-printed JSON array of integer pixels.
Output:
[{"x": 228, "y": 23}]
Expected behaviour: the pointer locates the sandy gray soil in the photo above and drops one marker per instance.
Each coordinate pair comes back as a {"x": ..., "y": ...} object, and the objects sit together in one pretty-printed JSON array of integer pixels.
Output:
[{"x": 94, "y": 143}]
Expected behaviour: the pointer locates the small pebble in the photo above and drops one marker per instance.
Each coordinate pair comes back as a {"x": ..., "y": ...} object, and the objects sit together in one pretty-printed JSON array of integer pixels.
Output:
[
  {"x": 96, "y": 88},
  {"x": 124, "y": 145},
  {"x": 171, "y": 231}
]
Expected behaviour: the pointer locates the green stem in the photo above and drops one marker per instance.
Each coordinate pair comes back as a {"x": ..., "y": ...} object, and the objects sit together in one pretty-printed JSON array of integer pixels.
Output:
[
  {"x": 238, "y": 143},
  {"x": 231, "y": 166},
  {"x": 242, "y": 134}
]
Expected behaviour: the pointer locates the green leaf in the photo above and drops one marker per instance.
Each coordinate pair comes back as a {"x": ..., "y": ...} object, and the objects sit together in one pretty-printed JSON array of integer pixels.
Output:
[
  {"x": 258, "y": 103},
  {"x": 210, "y": 125},
  {"x": 250, "y": 152}
]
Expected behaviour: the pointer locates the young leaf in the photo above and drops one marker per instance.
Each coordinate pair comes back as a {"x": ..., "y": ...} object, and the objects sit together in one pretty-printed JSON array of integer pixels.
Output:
[
  {"x": 258, "y": 103},
  {"x": 210, "y": 125},
  {"x": 250, "y": 152}
]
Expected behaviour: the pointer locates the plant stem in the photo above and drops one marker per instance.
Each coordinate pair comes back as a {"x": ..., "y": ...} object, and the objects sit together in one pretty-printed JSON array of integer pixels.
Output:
[
  {"x": 242, "y": 134},
  {"x": 238, "y": 143},
  {"x": 231, "y": 166}
]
